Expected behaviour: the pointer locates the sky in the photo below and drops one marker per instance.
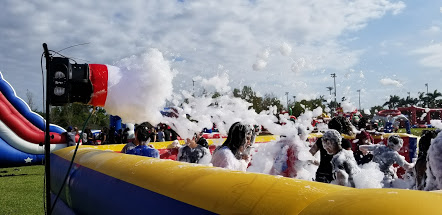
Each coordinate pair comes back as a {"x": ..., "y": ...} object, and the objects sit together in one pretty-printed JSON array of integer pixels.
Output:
[{"x": 380, "y": 47}]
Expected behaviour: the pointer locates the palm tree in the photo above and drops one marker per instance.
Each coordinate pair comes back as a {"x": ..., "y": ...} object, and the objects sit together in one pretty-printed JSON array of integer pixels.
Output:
[
  {"x": 432, "y": 98},
  {"x": 393, "y": 102}
]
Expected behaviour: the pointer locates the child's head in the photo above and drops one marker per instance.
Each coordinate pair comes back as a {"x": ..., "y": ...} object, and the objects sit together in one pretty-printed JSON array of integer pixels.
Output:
[
  {"x": 332, "y": 140},
  {"x": 395, "y": 142}
]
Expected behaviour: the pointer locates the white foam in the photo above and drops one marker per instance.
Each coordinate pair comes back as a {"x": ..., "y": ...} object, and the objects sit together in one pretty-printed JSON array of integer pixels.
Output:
[{"x": 138, "y": 87}]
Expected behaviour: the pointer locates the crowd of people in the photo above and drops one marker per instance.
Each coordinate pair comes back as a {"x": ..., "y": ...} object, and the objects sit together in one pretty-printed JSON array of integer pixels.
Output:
[{"x": 339, "y": 160}]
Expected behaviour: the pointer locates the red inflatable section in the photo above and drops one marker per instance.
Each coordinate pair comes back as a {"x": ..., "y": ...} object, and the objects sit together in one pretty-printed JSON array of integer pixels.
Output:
[
  {"x": 389, "y": 113},
  {"x": 213, "y": 136},
  {"x": 98, "y": 74},
  {"x": 22, "y": 127}
]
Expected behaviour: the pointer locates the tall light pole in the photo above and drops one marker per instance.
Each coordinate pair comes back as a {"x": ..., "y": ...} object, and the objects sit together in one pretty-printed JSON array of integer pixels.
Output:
[
  {"x": 193, "y": 87},
  {"x": 287, "y": 94},
  {"x": 334, "y": 82},
  {"x": 427, "y": 87},
  {"x": 408, "y": 94},
  {"x": 359, "y": 91}
]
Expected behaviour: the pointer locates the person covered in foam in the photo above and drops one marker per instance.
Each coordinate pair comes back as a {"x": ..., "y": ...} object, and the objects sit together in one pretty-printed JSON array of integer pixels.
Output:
[
  {"x": 434, "y": 165},
  {"x": 232, "y": 154},
  {"x": 194, "y": 151},
  {"x": 386, "y": 156},
  {"x": 324, "y": 172},
  {"x": 140, "y": 145},
  {"x": 344, "y": 165}
]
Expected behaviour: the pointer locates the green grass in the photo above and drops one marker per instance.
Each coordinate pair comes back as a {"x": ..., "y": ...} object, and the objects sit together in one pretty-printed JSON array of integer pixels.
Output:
[
  {"x": 415, "y": 131},
  {"x": 21, "y": 190}
]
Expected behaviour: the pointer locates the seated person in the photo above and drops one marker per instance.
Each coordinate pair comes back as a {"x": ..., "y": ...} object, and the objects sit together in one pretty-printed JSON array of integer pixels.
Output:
[
  {"x": 143, "y": 134},
  {"x": 388, "y": 155},
  {"x": 344, "y": 165},
  {"x": 200, "y": 140},
  {"x": 193, "y": 152}
]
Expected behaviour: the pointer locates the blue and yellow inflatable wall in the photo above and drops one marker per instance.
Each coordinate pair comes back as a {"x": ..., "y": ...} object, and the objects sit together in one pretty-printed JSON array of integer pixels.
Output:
[{"x": 105, "y": 182}]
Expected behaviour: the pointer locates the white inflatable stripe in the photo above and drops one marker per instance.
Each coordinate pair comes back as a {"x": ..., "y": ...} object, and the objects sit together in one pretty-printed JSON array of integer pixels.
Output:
[{"x": 22, "y": 145}]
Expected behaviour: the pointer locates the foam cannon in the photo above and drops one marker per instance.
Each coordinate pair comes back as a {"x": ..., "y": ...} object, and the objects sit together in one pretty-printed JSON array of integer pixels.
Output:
[
  {"x": 68, "y": 83},
  {"x": 81, "y": 83}
]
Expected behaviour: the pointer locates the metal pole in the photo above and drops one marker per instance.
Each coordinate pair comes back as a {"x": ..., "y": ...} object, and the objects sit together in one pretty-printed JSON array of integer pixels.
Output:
[
  {"x": 334, "y": 82},
  {"x": 193, "y": 88},
  {"x": 359, "y": 91},
  {"x": 287, "y": 94},
  {"x": 47, "y": 140},
  {"x": 427, "y": 87}
]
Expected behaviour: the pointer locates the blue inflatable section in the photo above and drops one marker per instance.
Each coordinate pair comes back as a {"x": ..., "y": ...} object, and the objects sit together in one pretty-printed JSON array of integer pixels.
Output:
[
  {"x": 412, "y": 147},
  {"x": 88, "y": 193},
  {"x": 115, "y": 121},
  {"x": 10, "y": 156},
  {"x": 23, "y": 108}
]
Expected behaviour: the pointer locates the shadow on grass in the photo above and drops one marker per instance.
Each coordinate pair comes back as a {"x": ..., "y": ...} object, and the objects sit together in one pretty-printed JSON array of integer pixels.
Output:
[{"x": 8, "y": 175}]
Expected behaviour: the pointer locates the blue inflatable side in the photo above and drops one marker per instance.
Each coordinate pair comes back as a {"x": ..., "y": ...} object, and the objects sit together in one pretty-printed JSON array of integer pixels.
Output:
[
  {"x": 85, "y": 196},
  {"x": 10, "y": 156},
  {"x": 23, "y": 108}
]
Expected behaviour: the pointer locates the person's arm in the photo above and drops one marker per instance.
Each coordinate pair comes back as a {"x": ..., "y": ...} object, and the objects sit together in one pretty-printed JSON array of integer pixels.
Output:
[
  {"x": 400, "y": 160},
  {"x": 314, "y": 149},
  {"x": 367, "y": 148},
  {"x": 341, "y": 177},
  {"x": 180, "y": 154}
]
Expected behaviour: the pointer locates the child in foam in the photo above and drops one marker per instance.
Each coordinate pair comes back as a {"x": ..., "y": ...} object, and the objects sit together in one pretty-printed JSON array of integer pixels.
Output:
[
  {"x": 194, "y": 152},
  {"x": 143, "y": 134},
  {"x": 386, "y": 156},
  {"x": 344, "y": 165},
  {"x": 232, "y": 154}
]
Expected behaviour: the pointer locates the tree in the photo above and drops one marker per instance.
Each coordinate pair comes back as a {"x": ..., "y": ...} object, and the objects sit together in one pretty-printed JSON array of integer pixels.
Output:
[
  {"x": 432, "y": 98},
  {"x": 30, "y": 100},
  {"x": 392, "y": 102},
  {"x": 375, "y": 109},
  {"x": 271, "y": 100},
  {"x": 76, "y": 114}
]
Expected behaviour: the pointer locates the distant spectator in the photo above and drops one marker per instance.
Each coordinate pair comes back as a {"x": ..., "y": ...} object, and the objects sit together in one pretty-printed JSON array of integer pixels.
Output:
[
  {"x": 70, "y": 136},
  {"x": 124, "y": 136},
  {"x": 167, "y": 133},
  {"x": 174, "y": 135},
  {"x": 111, "y": 135},
  {"x": 160, "y": 135},
  {"x": 153, "y": 137},
  {"x": 104, "y": 136}
]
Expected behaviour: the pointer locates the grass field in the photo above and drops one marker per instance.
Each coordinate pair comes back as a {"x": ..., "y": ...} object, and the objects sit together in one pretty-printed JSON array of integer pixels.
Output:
[
  {"x": 21, "y": 190},
  {"x": 415, "y": 131}
]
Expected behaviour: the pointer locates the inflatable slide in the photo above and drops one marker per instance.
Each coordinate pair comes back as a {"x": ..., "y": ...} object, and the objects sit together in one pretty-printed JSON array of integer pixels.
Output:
[{"x": 22, "y": 131}]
